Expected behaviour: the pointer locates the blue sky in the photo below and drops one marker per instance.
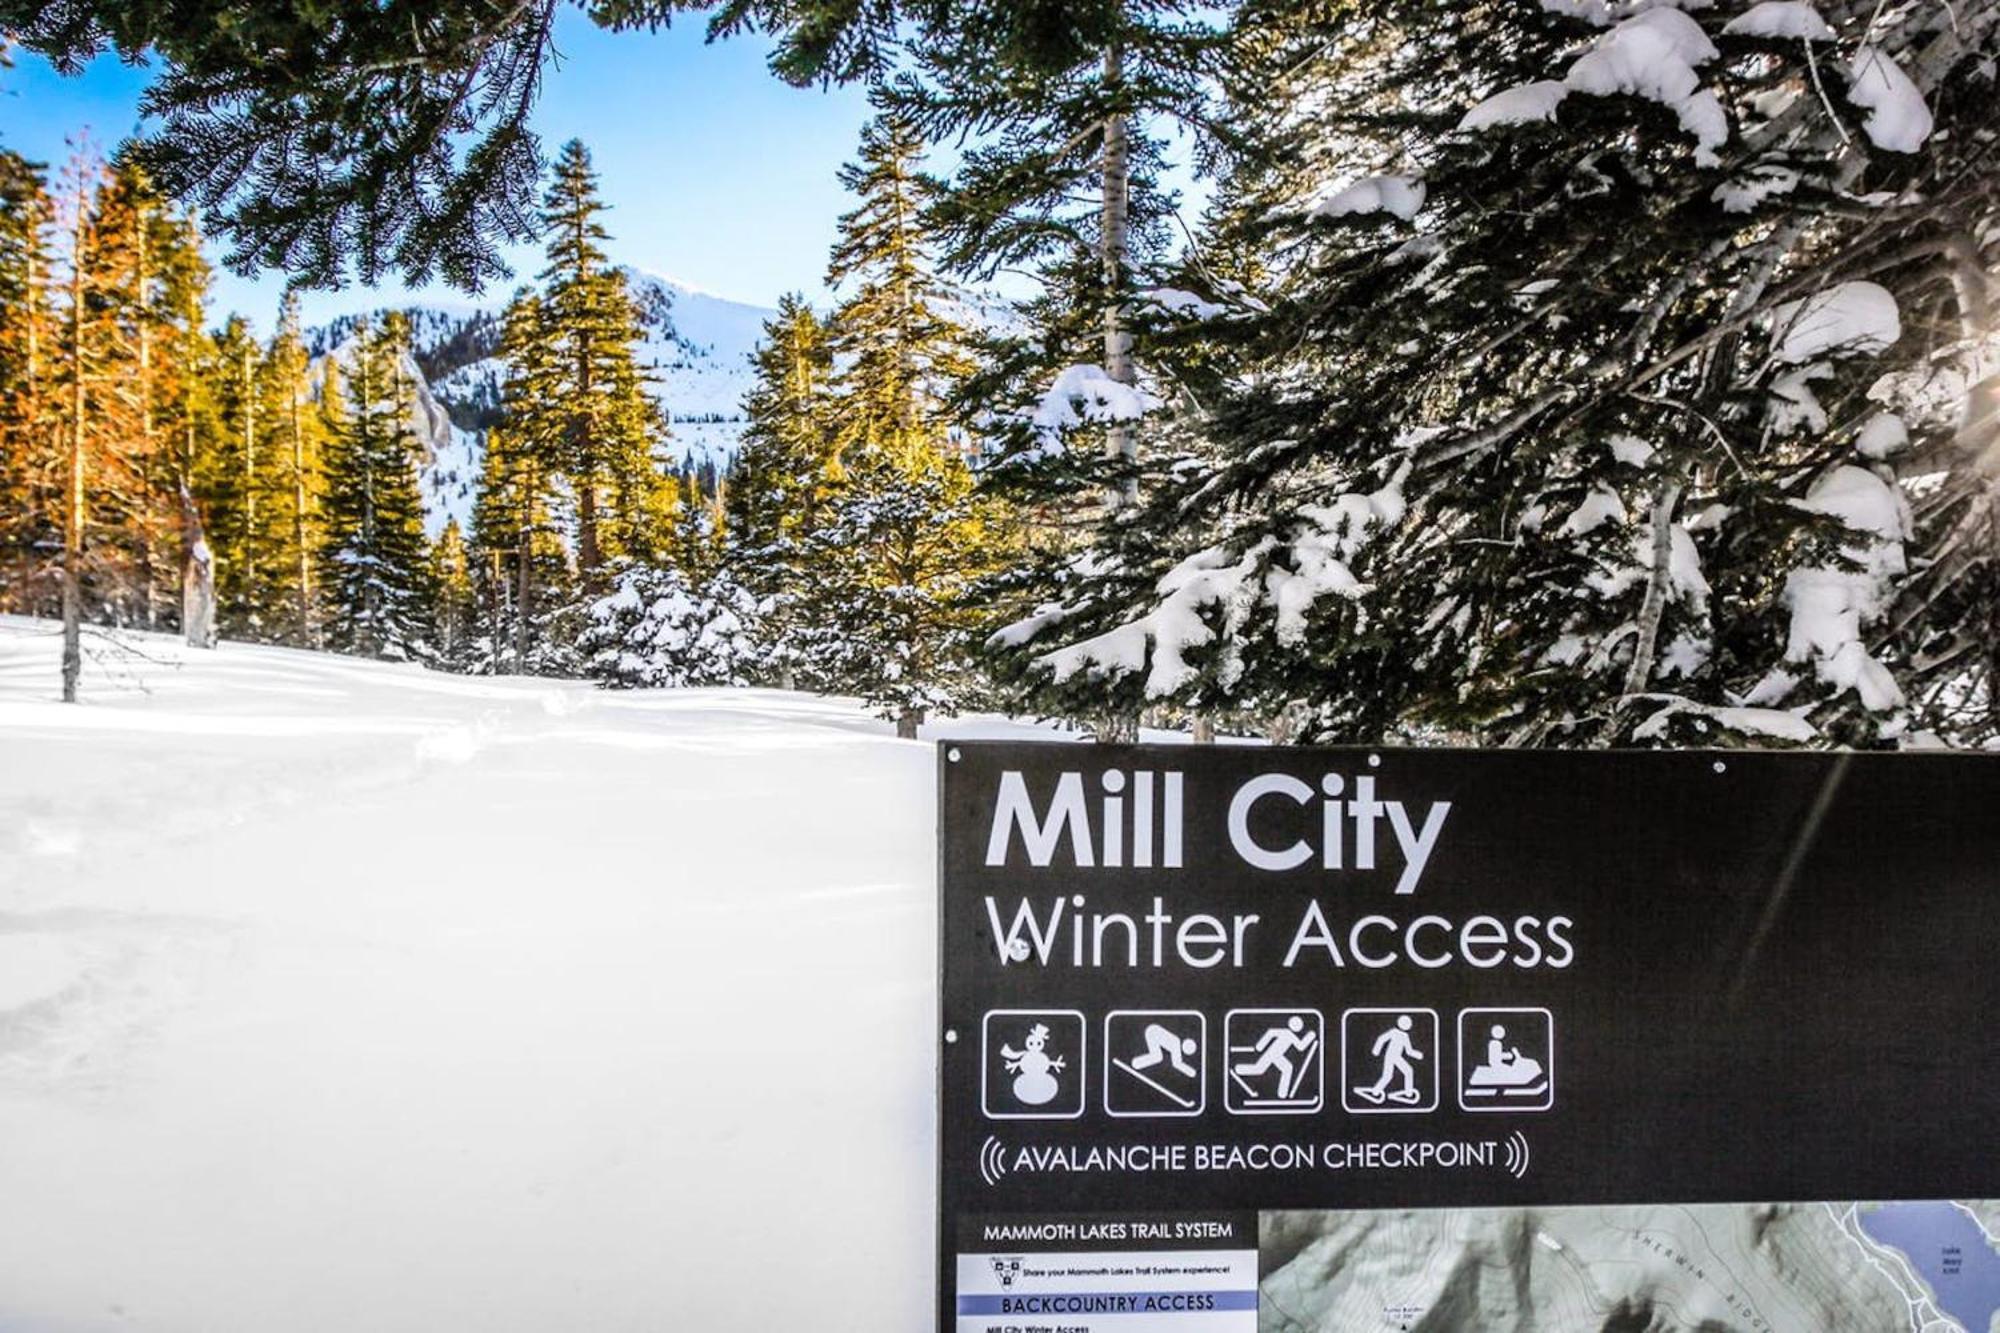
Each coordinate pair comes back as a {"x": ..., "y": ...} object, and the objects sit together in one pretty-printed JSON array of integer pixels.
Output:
[{"x": 717, "y": 173}]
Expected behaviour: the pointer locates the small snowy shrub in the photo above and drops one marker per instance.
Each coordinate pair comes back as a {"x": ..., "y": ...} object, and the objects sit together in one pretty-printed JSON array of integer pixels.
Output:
[{"x": 657, "y": 629}]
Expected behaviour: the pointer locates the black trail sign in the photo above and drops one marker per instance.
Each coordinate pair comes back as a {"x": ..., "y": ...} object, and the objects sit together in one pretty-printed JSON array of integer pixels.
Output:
[{"x": 1196, "y": 983}]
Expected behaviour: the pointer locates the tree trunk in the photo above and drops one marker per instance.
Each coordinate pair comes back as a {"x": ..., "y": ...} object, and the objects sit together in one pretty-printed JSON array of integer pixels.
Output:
[
  {"x": 1121, "y": 441},
  {"x": 73, "y": 509},
  {"x": 1204, "y": 730},
  {"x": 197, "y": 575},
  {"x": 587, "y": 554},
  {"x": 1659, "y": 588},
  {"x": 523, "y": 589},
  {"x": 144, "y": 325},
  {"x": 907, "y": 723},
  {"x": 307, "y": 628},
  {"x": 249, "y": 385}
]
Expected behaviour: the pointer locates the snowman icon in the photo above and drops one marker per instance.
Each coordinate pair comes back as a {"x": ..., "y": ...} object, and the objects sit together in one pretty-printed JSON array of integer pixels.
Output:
[
  {"x": 1032, "y": 1064},
  {"x": 1034, "y": 1069}
]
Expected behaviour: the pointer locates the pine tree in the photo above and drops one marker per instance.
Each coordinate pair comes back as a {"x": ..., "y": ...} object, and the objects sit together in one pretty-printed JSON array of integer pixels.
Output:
[
  {"x": 895, "y": 572},
  {"x": 373, "y": 559},
  {"x": 900, "y": 354},
  {"x": 93, "y": 371},
  {"x": 790, "y": 458},
  {"x": 156, "y": 284},
  {"x": 576, "y": 392},
  {"x": 241, "y": 481},
  {"x": 520, "y": 567},
  {"x": 454, "y": 604},
  {"x": 888, "y": 576},
  {"x": 1576, "y": 394},
  {"x": 1066, "y": 176},
  {"x": 28, "y": 459},
  {"x": 782, "y": 482},
  {"x": 297, "y": 437}
]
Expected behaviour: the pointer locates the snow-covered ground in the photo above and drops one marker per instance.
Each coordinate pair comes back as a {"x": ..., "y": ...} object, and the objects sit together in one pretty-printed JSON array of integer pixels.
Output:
[{"x": 342, "y": 995}]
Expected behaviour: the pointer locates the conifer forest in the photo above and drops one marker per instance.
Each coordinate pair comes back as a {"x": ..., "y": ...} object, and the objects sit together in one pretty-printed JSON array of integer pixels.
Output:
[{"x": 1565, "y": 373}]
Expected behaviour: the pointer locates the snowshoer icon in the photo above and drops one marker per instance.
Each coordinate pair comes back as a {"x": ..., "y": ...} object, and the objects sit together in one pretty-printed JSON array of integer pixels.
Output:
[
  {"x": 1274, "y": 1051},
  {"x": 1395, "y": 1049},
  {"x": 1034, "y": 1070},
  {"x": 1507, "y": 1072}
]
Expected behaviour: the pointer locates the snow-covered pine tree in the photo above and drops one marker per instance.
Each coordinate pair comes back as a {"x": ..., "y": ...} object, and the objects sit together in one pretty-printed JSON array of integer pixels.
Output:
[
  {"x": 1068, "y": 106},
  {"x": 374, "y": 570},
  {"x": 895, "y": 570},
  {"x": 889, "y": 572},
  {"x": 521, "y": 566},
  {"x": 781, "y": 484},
  {"x": 1586, "y": 397},
  {"x": 661, "y": 628},
  {"x": 576, "y": 392}
]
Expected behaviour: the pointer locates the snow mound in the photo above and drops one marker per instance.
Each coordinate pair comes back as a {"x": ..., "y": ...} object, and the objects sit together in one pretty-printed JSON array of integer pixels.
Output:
[
  {"x": 1521, "y": 105},
  {"x": 1852, "y": 319},
  {"x": 1085, "y": 393},
  {"x": 1898, "y": 121},
  {"x": 1399, "y": 196},
  {"x": 1653, "y": 56},
  {"x": 1882, "y": 436},
  {"x": 1780, "y": 19},
  {"x": 1761, "y": 182}
]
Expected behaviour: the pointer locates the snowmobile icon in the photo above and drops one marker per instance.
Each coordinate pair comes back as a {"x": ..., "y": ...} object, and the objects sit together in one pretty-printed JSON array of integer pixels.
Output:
[{"x": 1506, "y": 1076}]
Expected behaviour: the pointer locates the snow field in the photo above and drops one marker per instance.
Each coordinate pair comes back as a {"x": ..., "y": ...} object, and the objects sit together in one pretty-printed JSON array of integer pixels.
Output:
[{"x": 342, "y": 995}]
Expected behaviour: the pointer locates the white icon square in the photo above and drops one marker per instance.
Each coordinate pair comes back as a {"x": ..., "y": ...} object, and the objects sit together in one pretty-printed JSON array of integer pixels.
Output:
[
  {"x": 1044, "y": 1078},
  {"x": 1389, "y": 1061},
  {"x": 1273, "y": 1061},
  {"x": 1506, "y": 1059},
  {"x": 1155, "y": 1063}
]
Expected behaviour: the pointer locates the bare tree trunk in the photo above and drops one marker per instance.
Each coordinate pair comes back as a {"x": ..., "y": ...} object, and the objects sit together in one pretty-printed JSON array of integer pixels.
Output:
[
  {"x": 197, "y": 574},
  {"x": 1979, "y": 427},
  {"x": 1659, "y": 587},
  {"x": 907, "y": 723},
  {"x": 73, "y": 508},
  {"x": 523, "y": 585},
  {"x": 1204, "y": 730},
  {"x": 1121, "y": 441}
]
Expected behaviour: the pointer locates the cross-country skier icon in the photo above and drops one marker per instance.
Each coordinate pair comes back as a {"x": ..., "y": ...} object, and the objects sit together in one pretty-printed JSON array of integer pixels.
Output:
[
  {"x": 1270, "y": 1070},
  {"x": 1034, "y": 1069},
  {"x": 1395, "y": 1049}
]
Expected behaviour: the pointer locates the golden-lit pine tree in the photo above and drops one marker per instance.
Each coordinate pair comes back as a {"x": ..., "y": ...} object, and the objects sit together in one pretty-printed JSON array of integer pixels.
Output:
[
  {"x": 576, "y": 392},
  {"x": 297, "y": 436},
  {"x": 894, "y": 568},
  {"x": 29, "y": 460},
  {"x": 92, "y": 377},
  {"x": 898, "y": 348}
]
